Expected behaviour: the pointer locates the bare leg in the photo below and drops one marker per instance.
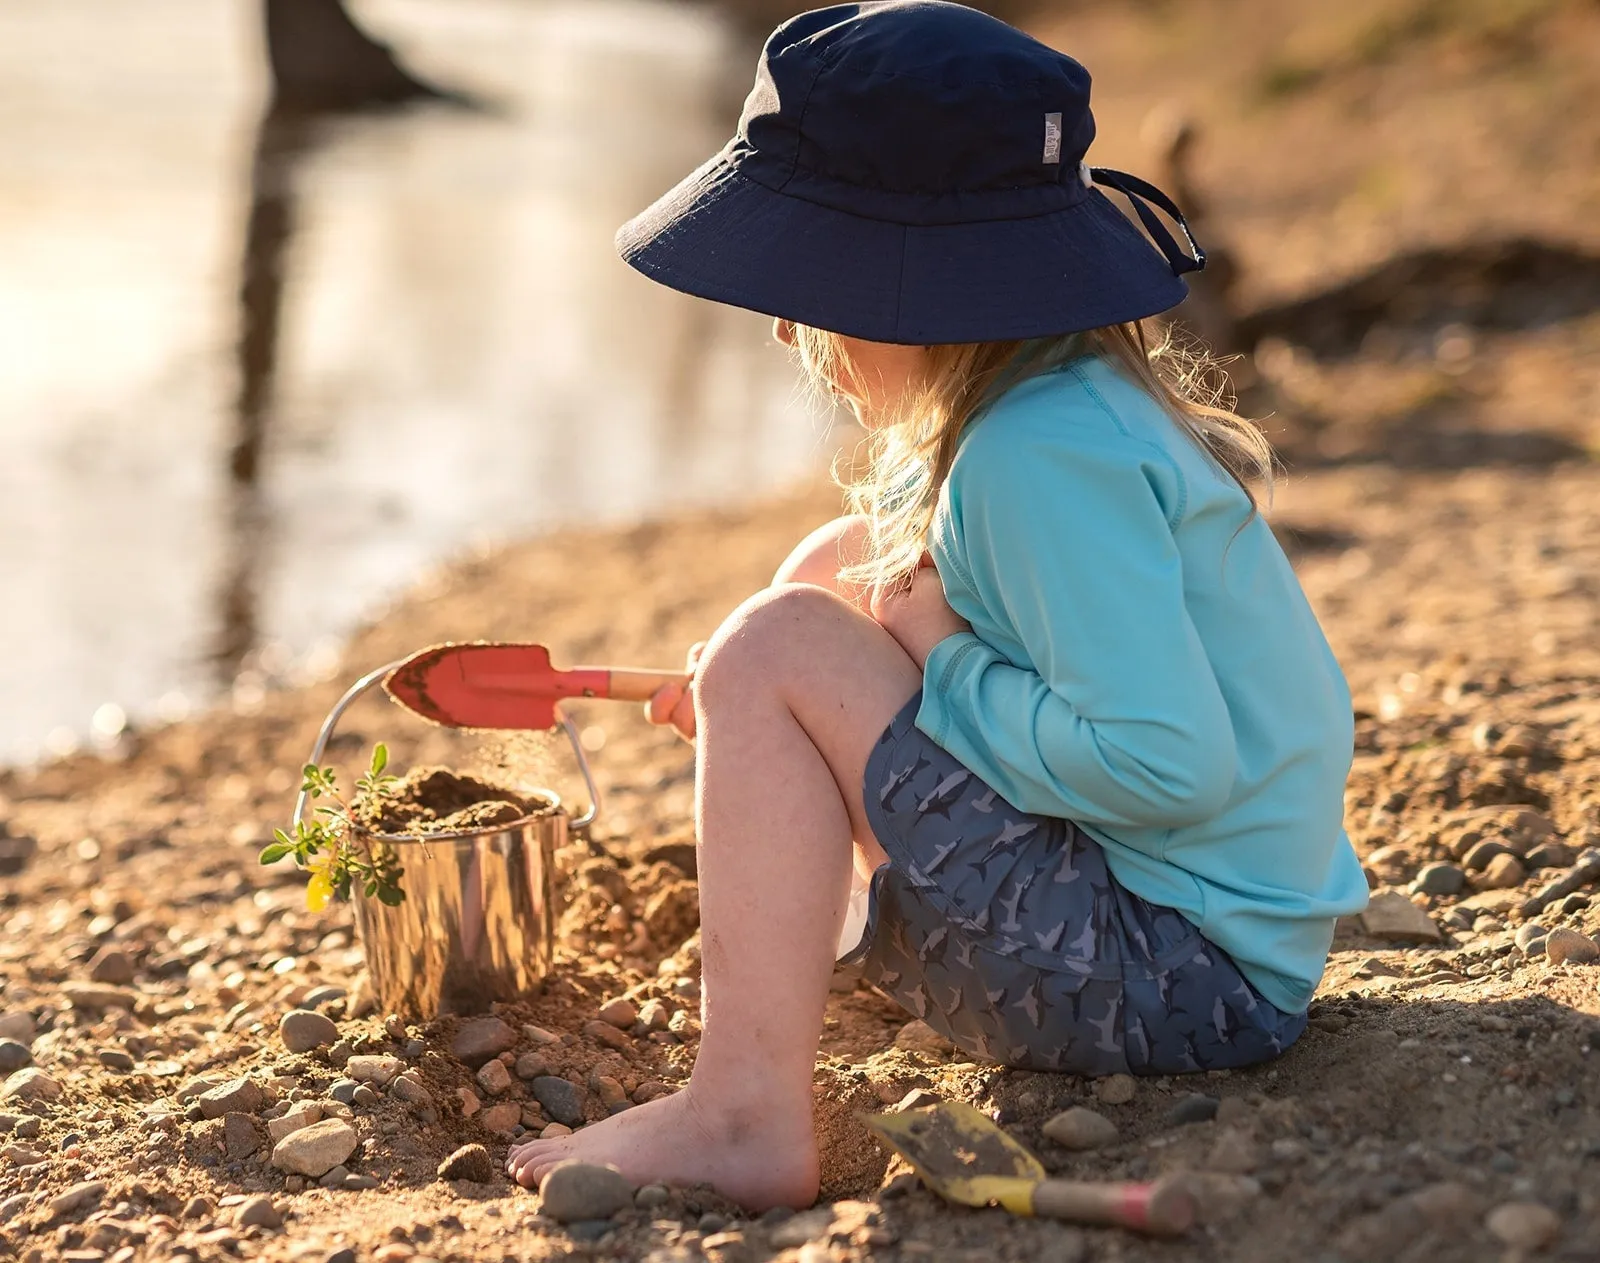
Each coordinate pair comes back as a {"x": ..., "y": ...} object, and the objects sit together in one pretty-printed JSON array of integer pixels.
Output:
[
  {"x": 818, "y": 558},
  {"x": 792, "y": 694}
]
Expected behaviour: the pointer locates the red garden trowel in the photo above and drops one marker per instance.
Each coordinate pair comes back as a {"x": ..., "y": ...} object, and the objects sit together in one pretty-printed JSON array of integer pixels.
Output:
[{"x": 497, "y": 685}]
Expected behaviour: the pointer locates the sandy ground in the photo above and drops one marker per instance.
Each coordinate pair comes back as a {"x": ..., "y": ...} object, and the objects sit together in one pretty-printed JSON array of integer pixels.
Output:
[{"x": 1440, "y": 510}]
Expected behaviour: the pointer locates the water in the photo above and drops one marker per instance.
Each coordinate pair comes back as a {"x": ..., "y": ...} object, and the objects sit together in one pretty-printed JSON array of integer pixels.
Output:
[{"x": 459, "y": 357}]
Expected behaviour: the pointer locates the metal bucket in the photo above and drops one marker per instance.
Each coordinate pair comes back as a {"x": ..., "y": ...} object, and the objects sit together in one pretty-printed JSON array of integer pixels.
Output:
[{"x": 478, "y": 921}]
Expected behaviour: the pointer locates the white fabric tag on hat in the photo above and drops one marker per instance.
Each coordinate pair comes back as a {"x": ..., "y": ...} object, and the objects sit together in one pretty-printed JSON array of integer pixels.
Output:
[{"x": 1052, "y": 138}]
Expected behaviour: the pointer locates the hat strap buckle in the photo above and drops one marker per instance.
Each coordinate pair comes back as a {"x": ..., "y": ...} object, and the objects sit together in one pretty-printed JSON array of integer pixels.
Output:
[{"x": 1139, "y": 192}]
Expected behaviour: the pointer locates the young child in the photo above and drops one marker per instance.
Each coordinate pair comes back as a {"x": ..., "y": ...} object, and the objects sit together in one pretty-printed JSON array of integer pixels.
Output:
[{"x": 1053, "y": 688}]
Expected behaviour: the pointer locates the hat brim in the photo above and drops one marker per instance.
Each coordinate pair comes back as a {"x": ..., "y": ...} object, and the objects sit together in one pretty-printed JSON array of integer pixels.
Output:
[{"x": 723, "y": 236}]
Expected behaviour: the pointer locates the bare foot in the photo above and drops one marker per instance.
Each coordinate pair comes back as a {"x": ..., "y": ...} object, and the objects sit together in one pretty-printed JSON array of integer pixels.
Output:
[{"x": 759, "y": 1160}]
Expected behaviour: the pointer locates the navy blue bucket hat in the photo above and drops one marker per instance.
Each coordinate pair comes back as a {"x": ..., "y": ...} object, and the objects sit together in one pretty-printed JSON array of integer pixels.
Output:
[{"x": 913, "y": 171}]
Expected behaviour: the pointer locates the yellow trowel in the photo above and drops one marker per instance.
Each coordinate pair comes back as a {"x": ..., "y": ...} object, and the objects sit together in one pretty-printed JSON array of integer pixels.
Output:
[{"x": 962, "y": 1156}]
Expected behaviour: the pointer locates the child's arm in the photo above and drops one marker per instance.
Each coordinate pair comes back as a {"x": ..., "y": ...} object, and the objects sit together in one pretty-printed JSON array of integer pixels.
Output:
[{"x": 1122, "y": 721}]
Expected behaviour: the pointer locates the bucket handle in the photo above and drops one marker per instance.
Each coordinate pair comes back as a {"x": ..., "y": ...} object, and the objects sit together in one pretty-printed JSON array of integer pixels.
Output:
[{"x": 371, "y": 678}]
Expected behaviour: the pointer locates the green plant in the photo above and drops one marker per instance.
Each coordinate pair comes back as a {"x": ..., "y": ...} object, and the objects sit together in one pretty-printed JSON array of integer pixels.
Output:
[{"x": 323, "y": 845}]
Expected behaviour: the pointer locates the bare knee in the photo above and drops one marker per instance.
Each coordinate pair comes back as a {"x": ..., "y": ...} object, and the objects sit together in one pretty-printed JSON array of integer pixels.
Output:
[
  {"x": 759, "y": 644},
  {"x": 821, "y": 555}
]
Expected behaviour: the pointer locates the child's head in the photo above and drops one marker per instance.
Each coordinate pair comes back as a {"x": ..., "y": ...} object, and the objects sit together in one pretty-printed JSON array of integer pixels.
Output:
[{"x": 910, "y": 175}]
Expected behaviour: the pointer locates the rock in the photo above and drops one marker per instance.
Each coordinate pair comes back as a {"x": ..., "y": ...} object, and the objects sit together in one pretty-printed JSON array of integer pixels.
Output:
[
  {"x": 112, "y": 965},
  {"x": 1524, "y": 1226},
  {"x": 1439, "y": 879},
  {"x": 259, "y": 1212},
  {"x": 575, "y": 1191},
  {"x": 300, "y": 1114},
  {"x": 1219, "y": 1196},
  {"x": 236, "y": 1096},
  {"x": 1491, "y": 902},
  {"x": 1564, "y": 946},
  {"x": 559, "y": 1099},
  {"x": 1080, "y": 1128},
  {"x": 531, "y": 1065},
  {"x": 116, "y": 1059},
  {"x": 341, "y": 1052},
  {"x": 98, "y": 999},
  {"x": 342, "y": 1255},
  {"x": 315, "y": 1150},
  {"x": 30, "y": 1084},
  {"x": 1484, "y": 853},
  {"x": 470, "y": 1162},
  {"x": 411, "y": 1091},
  {"x": 470, "y": 1104},
  {"x": 323, "y": 995},
  {"x": 539, "y": 1035},
  {"x": 379, "y": 1070},
  {"x": 1446, "y": 1205},
  {"x": 365, "y": 1096},
  {"x": 239, "y": 1136},
  {"x": 620, "y": 1012},
  {"x": 611, "y": 1093},
  {"x": 17, "y": 1025},
  {"x": 1391, "y": 915},
  {"x": 651, "y": 1196},
  {"x": 302, "y": 1031},
  {"x": 1196, "y": 1107},
  {"x": 1503, "y": 872},
  {"x": 1115, "y": 1089},
  {"x": 552, "y": 1130},
  {"x": 13, "y": 1056},
  {"x": 362, "y": 1181},
  {"x": 344, "y": 1091},
  {"x": 607, "y": 1034},
  {"x": 335, "y": 1178},
  {"x": 1548, "y": 855},
  {"x": 481, "y": 1038},
  {"x": 199, "y": 1208},
  {"x": 1234, "y": 1153},
  {"x": 919, "y": 1037},
  {"x": 797, "y": 1230},
  {"x": 502, "y": 1119},
  {"x": 494, "y": 1078},
  {"x": 78, "y": 1197},
  {"x": 15, "y": 852},
  {"x": 1530, "y": 938},
  {"x": 655, "y": 1014}
]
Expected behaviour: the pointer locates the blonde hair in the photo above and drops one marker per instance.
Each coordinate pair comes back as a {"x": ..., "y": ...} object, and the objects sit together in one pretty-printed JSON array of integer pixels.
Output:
[{"x": 910, "y": 456}]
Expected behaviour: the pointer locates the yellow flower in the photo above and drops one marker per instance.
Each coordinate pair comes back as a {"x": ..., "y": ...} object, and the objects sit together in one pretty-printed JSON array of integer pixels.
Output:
[{"x": 320, "y": 888}]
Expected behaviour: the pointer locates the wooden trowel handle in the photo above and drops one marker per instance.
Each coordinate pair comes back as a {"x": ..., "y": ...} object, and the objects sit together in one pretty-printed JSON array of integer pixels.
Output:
[
  {"x": 1165, "y": 1208},
  {"x": 630, "y": 685}
]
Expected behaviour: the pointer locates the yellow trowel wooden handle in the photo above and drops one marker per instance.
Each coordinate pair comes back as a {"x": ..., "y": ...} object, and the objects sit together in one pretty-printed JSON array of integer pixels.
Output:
[{"x": 1165, "y": 1208}]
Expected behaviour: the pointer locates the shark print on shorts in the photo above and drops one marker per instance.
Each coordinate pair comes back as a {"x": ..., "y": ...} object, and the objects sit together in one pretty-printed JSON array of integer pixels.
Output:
[{"x": 1007, "y": 933}]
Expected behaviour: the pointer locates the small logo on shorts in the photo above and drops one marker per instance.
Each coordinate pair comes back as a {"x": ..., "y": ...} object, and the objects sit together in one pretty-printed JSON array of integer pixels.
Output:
[{"x": 1052, "y": 138}]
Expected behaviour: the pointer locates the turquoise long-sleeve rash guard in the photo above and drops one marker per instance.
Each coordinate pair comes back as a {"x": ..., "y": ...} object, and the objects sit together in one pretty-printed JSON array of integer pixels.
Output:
[{"x": 1142, "y": 661}]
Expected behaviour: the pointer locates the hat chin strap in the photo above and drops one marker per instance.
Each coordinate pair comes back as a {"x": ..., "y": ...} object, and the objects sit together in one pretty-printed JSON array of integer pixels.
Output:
[{"x": 1139, "y": 192}]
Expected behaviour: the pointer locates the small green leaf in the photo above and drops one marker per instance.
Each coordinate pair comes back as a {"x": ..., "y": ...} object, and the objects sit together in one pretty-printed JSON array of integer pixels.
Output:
[
  {"x": 391, "y": 895},
  {"x": 272, "y": 854},
  {"x": 380, "y": 758}
]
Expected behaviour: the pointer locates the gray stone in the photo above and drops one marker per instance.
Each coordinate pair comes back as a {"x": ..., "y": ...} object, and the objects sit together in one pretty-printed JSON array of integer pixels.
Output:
[
  {"x": 344, "y": 1090},
  {"x": 116, "y": 1059},
  {"x": 481, "y": 1038},
  {"x": 363, "y": 1095},
  {"x": 1193, "y": 1108},
  {"x": 1564, "y": 946},
  {"x": 30, "y": 1084},
  {"x": 303, "y": 1030},
  {"x": 362, "y": 1181},
  {"x": 651, "y": 1196},
  {"x": 323, "y": 995},
  {"x": 236, "y": 1096},
  {"x": 1439, "y": 879},
  {"x": 1479, "y": 857},
  {"x": 561, "y": 1100},
  {"x": 1530, "y": 938},
  {"x": 1080, "y": 1128},
  {"x": 470, "y": 1162},
  {"x": 13, "y": 1056},
  {"x": 315, "y": 1150},
  {"x": 335, "y": 1178},
  {"x": 259, "y": 1212},
  {"x": 1115, "y": 1089},
  {"x": 577, "y": 1191}
]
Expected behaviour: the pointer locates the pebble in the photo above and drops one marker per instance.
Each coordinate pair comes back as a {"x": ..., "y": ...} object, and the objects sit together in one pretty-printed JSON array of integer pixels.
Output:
[
  {"x": 362, "y": 1181},
  {"x": 341, "y": 1052},
  {"x": 552, "y": 1130},
  {"x": 18, "y": 1025},
  {"x": 1446, "y": 1205},
  {"x": 481, "y": 1038},
  {"x": 1080, "y": 1128},
  {"x": 302, "y": 1031},
  {"x": 1439, "y": 879},
  {"x": 113, "y": 965},
  {"x": 1548, "y": 855},
  {"x": 468, "y": 1099},
  {"x": 13, "y": 1056},
  {"x": 300, "y": 1114},
  {"x": 78, "y": 1197},
  {"x": 919, "y": 1037},
  {"x": 494, "y": 1078},
  {"x": 1564, "y": 946},
  {"x": 323, "y": 995},
  {"x": 1530, "y": 938},
  {"x": 31, "y": 1084},
  {"x": 259, "y": 1212},
  {"x": 651, "y": 1196},
  {"x": 607, "y": 1034},
  {"x": 380, "y": 1070},
  {"x": 502, "y": 1119},
  {"x": 611, "y": 1093},
  {"x": 410, "y": 1090},
  {"x": 1235, "y": 1153},
  {"x": 315, "y": 1150},
  {"x": 1390, "y": 914},
  {"x": 655, "y": 1014},
  {"x": 344, "y": 1090},
  {"x": 1503, "y": 872},
  {"x": 342, "y": 1255},
  {"x": 13, "y": 1206},
  {"x": 539, "y": 1035},
  {"x": 798, "y": 1230},
  {"x": 236, "y": 1096},
  {"x": 394, "y": 1027},
  {"x": 1523, "y": 1225},
  {"x": 239, "y": 1136},
  {"x": 94, "y": 999},
  {"x": 199, "y": 1208},
  {"x": 364, "y": 1096},
  {"x": 1115, "y": 1089},
  {"x": 531, "y": 1065},
  {"x": 1196, "y": 1107},
  {"x": 335, "y": 1178},
  {"x": 116, "y": 1059},
  {"x": 1478, "y": 858},
  {"x": 620, "y": 1012},
  {"x": 470, "y": 1162},
  {"x": 574, "y": 1191},
  {"x": 559, "y": 1099}
]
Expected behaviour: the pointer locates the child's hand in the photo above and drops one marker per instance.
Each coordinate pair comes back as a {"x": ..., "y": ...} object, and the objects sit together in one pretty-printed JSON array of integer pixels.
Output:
[
  {"x": 918, "y": 617},
  {"x": 674, "y": 703}
]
